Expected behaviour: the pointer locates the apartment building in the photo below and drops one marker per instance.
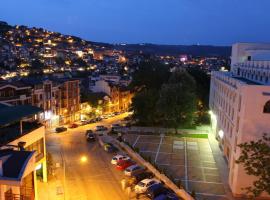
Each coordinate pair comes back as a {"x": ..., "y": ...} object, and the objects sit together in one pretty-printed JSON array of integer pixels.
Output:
[
  {"x": 69, "y": 100},
  {"x": 15, "y": 93},
  {"x": 119, "y": 95},
  {"x": 58, "y": 97},
  {"x": 20, "y": 131},
  {"x": 240, "y": 106}
]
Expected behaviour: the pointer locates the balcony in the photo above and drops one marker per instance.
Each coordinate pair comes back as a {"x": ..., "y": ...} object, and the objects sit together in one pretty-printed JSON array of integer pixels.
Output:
[
  {"x": 12, "y": 132},
  {"x": 27, "y": 194}
]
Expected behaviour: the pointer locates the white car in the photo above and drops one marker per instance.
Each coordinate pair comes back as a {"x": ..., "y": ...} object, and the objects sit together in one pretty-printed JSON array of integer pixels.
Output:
[
  {"x": 119, "y": 157},
  {"x": 143, "y": 185}
]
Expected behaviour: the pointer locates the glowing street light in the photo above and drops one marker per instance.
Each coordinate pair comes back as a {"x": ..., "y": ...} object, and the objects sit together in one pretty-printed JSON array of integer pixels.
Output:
[{"x": 83, "y": 159}]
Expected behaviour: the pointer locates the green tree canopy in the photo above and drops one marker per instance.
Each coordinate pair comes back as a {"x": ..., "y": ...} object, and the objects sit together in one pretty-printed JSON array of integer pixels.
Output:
[
  {"x": 143, "y": 105},
  {"x": 255, "y": 157},
  {"x": 151, "y": 74},
  {"x": 177, "y": 101}
]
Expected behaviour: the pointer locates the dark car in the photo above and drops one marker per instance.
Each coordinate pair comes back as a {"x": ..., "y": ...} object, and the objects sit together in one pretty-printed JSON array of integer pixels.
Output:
[
  {"x": 101, "y": 128},
  {"x": 98, "y": 119},
  {"x": 168, "y": 196},
  {"x": 109, "y": 147},
  {"x": 90, "y": 137},
  {"x": 60, "y": 129},
  {"x": 88, "y": 131},
  {"x": 155, "y": 190}
]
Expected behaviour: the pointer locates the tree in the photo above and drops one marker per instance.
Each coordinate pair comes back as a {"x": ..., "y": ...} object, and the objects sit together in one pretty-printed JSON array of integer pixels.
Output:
[
  {"x": 177, "y": 101},
  {"x": 150, "y": 74},
  {"x": 143, "y": 105},
  {"x": 255, "y": 157},
  {"x": 202, "y": 92}
]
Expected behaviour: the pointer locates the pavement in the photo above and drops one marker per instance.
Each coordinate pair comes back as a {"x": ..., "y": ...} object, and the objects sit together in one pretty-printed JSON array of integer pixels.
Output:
[
  {"x": 197, "y": 162},
  {"x": 91, "y": 178}
]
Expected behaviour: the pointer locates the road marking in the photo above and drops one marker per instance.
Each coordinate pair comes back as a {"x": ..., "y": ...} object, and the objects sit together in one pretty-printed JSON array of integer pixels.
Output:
[
  {"x": 170, "y": 165},
  {"x": 138, "y": 137},
  {"x": 215, "y": 195},
  {"x": 209, "y": 182},
  {"x": 186, "y": 168},
  {"x": 160, "y": 142}
]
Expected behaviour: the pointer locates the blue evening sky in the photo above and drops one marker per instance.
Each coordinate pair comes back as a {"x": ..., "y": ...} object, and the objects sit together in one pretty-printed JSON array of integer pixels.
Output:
[{"x": 216, "y": 22}]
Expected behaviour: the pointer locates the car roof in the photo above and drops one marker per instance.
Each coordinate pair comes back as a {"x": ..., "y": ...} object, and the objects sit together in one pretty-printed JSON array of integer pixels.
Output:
[
  {"x": 132, "y": 166},
  {"x": 119, "y": 156},
  {"x": 147, "y": 180}
]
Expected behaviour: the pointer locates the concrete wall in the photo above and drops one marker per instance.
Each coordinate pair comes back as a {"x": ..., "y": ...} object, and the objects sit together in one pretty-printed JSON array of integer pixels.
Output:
[{"x": 253, "y": 124}]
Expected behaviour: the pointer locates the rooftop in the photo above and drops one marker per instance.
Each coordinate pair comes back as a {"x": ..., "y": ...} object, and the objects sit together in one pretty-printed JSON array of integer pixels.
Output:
[
  {"x": 12, "y": 132},
  {"x": 16, "y": 113},
  {"x": 15, "y": 162},
  {"x": 247, "y": 81}
]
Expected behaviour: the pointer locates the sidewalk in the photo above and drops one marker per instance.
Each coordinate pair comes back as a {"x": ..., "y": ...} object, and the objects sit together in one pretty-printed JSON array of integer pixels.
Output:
[
  {"x": 53, "y": 189},
  {"x": 221, "y": 163}
]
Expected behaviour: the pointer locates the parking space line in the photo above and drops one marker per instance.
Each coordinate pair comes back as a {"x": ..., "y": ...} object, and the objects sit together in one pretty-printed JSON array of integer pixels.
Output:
[
  {"x": 170, "y": 164},
  {"x": 209, "y": 182},
  {"x": 138, "y": 137},
  {"x": 214, "y": 195},
  {"x": 148, "y": 142},
  {"x": 186, "y": 167},
  {"x": 156, "y": 152},
  {"x": 160, "y": 142}
]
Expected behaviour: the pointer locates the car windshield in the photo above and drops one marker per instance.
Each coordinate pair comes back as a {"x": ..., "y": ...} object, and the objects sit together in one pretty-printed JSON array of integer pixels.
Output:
[
  {"x": 114, "y": 158},
  {"x": 128, "y": 170},
  {"x": 141, "y": 184}
]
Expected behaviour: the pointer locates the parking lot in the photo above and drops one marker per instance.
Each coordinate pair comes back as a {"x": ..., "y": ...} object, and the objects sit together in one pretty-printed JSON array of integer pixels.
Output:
[{"x": 190, "y": 160}]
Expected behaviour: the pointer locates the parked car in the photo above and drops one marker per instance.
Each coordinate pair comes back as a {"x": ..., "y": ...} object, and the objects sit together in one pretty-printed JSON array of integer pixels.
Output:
[
  {"x": 98, "y": 119},
  {"x": 134, "y": 169},
  {"x": 143, "y": 185},
  {"x": 136, "y": 178},
  {"x": 73, "y": 125},
  {"x": 115, "y": 126},
  {"x": 155, "y": 190},
  {"x": 123, "y": 164},
  {"x": 90, "y": 137},
  {"x": 110, "y": 148},
  {"x": 88, "y": 131},
  {"x": 101, "y": 128},
  {"x": 167, "y": 196},
  {"x": 116, "y": 113},
  {"x": 118, "y": 158},
  {"x": 60, "y": 129},
  {"x": 84, "y": 122}
]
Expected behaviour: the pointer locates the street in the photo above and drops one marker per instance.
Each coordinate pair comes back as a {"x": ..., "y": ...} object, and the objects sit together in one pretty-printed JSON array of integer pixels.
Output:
[{"x": 88, "y": 172}]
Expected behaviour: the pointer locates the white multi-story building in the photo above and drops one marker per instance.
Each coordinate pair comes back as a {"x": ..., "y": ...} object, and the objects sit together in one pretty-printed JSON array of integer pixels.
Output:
[{"x": 240, "y": 106}]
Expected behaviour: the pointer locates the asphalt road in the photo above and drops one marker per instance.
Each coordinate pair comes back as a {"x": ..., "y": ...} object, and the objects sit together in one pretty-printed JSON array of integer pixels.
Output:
[{"x": 93, "y": 179}]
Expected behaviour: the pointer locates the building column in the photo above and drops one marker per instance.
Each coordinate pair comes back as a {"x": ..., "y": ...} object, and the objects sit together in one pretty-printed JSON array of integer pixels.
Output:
[{"x": 44, "y": 171}]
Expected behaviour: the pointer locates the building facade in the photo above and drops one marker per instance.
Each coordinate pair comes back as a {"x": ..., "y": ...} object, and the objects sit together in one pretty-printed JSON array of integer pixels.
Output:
[
  {"x": 59, "y": 98},
  {"x": 15, "y": 93},
  {"x": 240, "y": 107},
  {"x": 21, "y": 131}
]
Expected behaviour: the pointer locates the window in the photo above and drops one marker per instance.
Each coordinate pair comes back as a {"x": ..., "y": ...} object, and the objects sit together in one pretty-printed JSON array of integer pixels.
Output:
[
  {"x": 266, "y": 108},
  {"x": 37, "y": 146}
]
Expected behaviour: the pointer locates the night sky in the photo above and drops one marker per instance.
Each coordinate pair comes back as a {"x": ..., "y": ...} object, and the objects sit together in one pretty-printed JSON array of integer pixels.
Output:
[{"x": 216, "y": 22}]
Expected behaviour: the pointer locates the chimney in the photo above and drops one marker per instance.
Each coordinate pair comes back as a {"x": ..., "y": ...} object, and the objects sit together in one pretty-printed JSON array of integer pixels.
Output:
[{"x": 1, "y": 167}]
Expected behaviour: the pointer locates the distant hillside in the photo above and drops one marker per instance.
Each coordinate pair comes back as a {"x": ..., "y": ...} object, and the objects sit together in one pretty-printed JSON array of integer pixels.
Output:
[{"x": 195, "y": 50}]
